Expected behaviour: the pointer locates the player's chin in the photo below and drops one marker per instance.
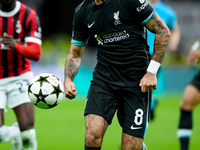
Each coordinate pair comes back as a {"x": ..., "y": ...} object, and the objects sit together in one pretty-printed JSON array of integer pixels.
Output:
[{"x": 7, "y": 2}]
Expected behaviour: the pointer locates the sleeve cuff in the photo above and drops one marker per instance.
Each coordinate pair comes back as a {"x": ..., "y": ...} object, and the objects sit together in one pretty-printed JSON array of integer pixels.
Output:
[
  {"x": 78, "y": 43},
  {"x": 147, "y": 19}
]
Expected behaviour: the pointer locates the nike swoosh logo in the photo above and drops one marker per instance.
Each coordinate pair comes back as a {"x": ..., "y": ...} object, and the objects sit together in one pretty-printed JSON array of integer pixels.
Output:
[
  {"x": 89, "y": 26},
  {"x": 135, "y": 128}
]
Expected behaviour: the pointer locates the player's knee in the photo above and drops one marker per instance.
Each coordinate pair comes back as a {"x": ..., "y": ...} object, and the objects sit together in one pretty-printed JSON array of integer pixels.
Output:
[
  {"x": 186, "y": 105},
  {"x": 4, "y": 134},
  {"x": 29, "y": 139},
  {"x": 93, "y": 139}
]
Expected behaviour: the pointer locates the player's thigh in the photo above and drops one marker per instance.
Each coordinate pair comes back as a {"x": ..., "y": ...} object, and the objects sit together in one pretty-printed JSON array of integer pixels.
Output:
[
  {"x": 130, "y": 142},
  {"x": 2, "y": 106},
  {"x": 191, "y": 98},
  {"x": 133, "y": 111},
  {"x": 100, "y": 101},
  {"x": 17, "y": 89},
  {"x": 25, "y": 115}
]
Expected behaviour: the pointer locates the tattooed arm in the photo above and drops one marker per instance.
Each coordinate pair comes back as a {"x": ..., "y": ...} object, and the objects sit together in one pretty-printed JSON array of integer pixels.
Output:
[
  {"x": 72, "y": 66},
  {"x": 162, "y": 36}
]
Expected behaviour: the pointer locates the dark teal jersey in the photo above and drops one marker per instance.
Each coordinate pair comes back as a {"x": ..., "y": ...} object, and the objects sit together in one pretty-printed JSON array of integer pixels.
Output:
[{"x": 118, "y": 27}]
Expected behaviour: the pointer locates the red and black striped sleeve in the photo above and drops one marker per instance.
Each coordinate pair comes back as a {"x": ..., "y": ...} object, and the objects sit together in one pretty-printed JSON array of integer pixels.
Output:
[
  {"x": 32, "y": 36},
  {"x": 33, "y": 31}
]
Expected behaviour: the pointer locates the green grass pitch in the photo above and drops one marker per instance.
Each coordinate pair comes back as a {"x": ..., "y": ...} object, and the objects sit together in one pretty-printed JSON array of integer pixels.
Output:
[{"x": 63, "y": 128}]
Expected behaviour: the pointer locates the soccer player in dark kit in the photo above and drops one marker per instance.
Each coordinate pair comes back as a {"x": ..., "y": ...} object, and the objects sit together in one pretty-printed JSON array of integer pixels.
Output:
[
  {"x": 125, "y": 73},
  {"x": 191, "y": 98},
  {"x": 20, "y": 35}
]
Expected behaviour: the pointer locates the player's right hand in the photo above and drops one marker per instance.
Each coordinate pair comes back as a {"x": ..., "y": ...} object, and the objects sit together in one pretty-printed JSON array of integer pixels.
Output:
[
  {"x": 148, "y": 82},
  {"x": 70, "y": 91},
  {"x": 8, "y": 41}
]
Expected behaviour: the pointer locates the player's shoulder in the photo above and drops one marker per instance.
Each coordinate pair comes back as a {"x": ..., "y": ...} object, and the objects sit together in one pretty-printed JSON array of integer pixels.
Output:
[
  {"x": 27, "y": 9},
  {"x": 82, "y": 6},
  {"x": 134, "y": 2}
]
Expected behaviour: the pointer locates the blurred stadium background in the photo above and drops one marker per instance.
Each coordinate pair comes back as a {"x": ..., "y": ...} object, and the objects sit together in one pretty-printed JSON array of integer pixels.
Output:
[{"x": 62, "y": 128}]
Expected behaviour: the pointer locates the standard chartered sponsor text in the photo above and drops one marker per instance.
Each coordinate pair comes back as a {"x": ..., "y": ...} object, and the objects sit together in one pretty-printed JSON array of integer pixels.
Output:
[{"x": 116, "y": 36}]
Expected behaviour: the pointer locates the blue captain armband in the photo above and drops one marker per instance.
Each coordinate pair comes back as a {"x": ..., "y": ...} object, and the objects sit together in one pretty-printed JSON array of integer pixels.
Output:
[{"x": 78, "y": 43}]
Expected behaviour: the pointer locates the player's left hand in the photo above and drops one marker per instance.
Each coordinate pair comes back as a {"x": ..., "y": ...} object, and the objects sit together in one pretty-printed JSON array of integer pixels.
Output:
[
  {"x": 8, "y": 41},
  {"x": 192, "y": 57},
  {"x": 148, "y": 82}
]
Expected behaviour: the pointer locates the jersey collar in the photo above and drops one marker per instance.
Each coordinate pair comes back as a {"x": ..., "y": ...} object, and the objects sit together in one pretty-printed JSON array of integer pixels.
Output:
[
  {"x": 100, "y": 5},
  {"x": 11, "y": 13}
]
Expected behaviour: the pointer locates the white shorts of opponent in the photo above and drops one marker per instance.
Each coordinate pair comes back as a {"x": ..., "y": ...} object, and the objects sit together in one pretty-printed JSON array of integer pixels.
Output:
[{"x": 14, "y": 90}]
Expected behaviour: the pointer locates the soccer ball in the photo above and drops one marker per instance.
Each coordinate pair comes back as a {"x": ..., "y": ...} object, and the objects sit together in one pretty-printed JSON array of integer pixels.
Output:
[{"x": 46, "y": 91}]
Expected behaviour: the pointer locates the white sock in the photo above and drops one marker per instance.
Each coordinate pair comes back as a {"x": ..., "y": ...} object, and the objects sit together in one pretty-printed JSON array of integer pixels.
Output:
[
  {"x": 29, "y": 139},
  {"x": 8, "y": 132}
]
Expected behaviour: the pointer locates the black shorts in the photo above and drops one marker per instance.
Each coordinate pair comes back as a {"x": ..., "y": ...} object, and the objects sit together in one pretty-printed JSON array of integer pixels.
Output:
[
  {"x": 196, "y": 81},
  {"x": 131, "y": 104}
]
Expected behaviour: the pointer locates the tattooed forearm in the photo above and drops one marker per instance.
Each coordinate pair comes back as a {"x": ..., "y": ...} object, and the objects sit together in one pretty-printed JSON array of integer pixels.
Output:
[
  {"x": 73, "y": 61},
  {"x": 72, "y": 67},
  {"x": 162, "y": 36}
]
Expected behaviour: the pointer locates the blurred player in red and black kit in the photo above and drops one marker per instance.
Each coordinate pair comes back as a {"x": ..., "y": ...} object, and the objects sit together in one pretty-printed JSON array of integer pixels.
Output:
[{"x": 20, "y": 42}]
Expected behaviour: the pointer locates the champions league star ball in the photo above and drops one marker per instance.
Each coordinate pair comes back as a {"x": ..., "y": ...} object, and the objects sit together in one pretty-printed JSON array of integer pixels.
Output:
[{"x": 46, "y": 91}]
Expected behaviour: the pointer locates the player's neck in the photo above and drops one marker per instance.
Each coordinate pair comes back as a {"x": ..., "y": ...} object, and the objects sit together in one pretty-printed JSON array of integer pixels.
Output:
[
  {"x": 7, "y": 7},
  {"x": 153, "y": 2},
  {"x": 98, "y": 2}
]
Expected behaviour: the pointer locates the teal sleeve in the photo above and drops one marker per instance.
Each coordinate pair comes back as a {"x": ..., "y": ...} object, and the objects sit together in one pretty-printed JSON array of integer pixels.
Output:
[
  {"x": 147, "y": 19},
  {"x": 78, "y": 43}
]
